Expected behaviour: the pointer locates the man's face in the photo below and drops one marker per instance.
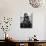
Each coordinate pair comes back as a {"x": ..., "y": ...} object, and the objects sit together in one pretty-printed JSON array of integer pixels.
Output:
[{"x": 26, "y": 19}]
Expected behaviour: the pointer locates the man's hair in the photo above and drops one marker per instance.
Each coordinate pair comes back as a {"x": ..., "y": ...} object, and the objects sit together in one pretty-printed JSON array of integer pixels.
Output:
[{"x": 25, "y": 14}]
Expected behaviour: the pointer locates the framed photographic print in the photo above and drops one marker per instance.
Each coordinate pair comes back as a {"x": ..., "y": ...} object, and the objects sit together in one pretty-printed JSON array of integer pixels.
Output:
[{"x": 26, "y": 21}]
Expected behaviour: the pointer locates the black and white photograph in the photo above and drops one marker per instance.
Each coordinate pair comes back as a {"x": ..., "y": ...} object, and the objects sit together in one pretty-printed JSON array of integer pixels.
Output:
[{"x": 26, "y": 21}]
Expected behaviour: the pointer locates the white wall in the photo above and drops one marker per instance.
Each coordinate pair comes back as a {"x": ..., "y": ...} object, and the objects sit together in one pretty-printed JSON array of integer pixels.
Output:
[{"x": 15, "y": 9}]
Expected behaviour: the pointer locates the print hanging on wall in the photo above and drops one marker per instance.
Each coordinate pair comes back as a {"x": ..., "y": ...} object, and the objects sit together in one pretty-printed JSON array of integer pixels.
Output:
[{"x": 26, "y": 21}]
